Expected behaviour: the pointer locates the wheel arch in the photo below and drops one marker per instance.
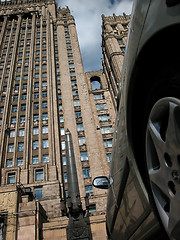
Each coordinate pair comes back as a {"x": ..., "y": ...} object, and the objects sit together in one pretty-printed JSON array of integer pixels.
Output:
[{"x": 159, "y": 54}]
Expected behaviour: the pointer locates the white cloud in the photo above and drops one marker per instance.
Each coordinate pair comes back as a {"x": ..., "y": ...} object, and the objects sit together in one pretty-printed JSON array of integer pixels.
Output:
[{"x": 87, "y": 14}]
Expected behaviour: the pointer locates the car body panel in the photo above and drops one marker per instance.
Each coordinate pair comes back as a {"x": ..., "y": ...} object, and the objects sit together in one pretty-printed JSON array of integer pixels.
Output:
[
  {"x": 128, "y": 207},
  {"x": 158, "y": 18},
  {"x": 119, "y": 163}
]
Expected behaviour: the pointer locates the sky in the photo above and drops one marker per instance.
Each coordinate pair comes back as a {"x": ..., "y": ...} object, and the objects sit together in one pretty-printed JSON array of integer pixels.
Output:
[{"x": 88, "y": 13}]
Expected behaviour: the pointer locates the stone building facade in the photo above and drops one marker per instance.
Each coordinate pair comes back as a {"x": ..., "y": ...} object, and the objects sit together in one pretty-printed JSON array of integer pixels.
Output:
[
  {"x": 114, "y": 37},
  {"x": 44, "y": 91}
]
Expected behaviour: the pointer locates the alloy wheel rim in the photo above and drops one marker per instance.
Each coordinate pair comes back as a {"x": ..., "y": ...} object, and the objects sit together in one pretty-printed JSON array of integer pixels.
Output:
[{"x": 163, "y": 161}]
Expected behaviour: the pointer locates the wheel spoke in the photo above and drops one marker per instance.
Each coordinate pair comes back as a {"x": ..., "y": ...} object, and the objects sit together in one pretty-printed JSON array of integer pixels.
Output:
[
  {"x": 157, "y": 140},
  {"x": 174, "y": 220},
  {"x": 157, "y": 178},
  {"x": 171, "y": 128}
]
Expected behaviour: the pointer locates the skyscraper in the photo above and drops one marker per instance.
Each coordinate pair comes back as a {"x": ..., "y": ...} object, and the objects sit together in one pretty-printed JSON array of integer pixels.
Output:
[{"x": 44, "y": 91}]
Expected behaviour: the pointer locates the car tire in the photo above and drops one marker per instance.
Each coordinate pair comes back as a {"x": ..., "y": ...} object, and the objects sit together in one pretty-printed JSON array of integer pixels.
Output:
[{"x": 163, "y": 161}]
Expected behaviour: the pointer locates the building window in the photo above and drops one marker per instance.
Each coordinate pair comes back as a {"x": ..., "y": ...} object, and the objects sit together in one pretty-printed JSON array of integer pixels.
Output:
[
  {"x": 44, "y": 84},
  {"x": 14, "y": 108},
  {"x": 108, "y": 143},
  {"x": 73, "y": 83},
  {"x": 35, "y": 131},
  {"x": 89, "y": 190},
  {"x": 75, "y": 92},
  {"x": 45, "y": 158},
  {"x": 20, "y": 147},
  {"x": 2, "y": 227},
  {"x": 95, "y": 83},
  {"x": 92, "y": 208},
  {"x": 35, "y": 117},
  {"x": 11, "y": 147},
  {"x": 120, "y": 41},
  {"x": 98, "y": 96},
  {"x": 70, "y": 58},
  {"x": 9, "y": 163},
  {"x": 76, "y": 103},
  {"x": 62, "y": 131},
  {"x": 44, "y": 104},
  {"x": 44, "y": 66},
  {"x": 39, "y": 175},
  {"x": 25, "y": 77},
  {"x": 20, "y": 161},
  {"x": 45, "y": 143},
  {"x": 64, "y": 160},
  {"x": 12, "y": 134},
  {"x": 21, "y": 132},
  {"x": 43, "y": 51},
  {"x": 11, "y": 178},
  {"x": 68, "y": 45},
  {"x": 4, "y": 88},
  {"x": 36, "y": 105},
  {"x": 22, "y": 119},
  {"x": 65, "y": 177},
  {"x": 23, "y": 107},
  {"x": 82, "y": 141},
  {"x": 13, "y": 120},
  {"x": 25, "y": 86},
  {"x": 101, "y": 106},
  {"x": 35, "y": 159},
  {"x": 61, "y": 119},
  {"x": 80, "y": 127},
  {"x": 37, "y": 52},
  {"x": 44, "y": 75},
  {"x": 78, "y": 114},
  {"x": 35, "y": 145},
  {"x": 38, "y": 192},
  {"x": 1, "y": 110},
  {"x": 104, "y": 118},
  {"x": 36, "y": 75},
  {"x": 36, "y": 85},
  {"x": 36, "y": 95},
  {"x": 123, "y": 49},
  {"x": 44, "y": 94},
  {"x": 86, "y": 172},
  {"x": 18, "y": 69},
  {"x": 72, "y": 74},
  {"x": 44, "y": 116},
  {"x": 84, "y": 156},
  {"x": 15, "y": 97},
  {"x": 106, "y": 130},
  {"x": 71, "y": 65},
  {"x": 108, "y": 156},
  {"x": 3, "y": 99},
  {"x": 63, "y": 145},
  {"x": 60, "y": 108},
  {"x": 125, "y": 26},
  {"x": 45, "y": 129}
]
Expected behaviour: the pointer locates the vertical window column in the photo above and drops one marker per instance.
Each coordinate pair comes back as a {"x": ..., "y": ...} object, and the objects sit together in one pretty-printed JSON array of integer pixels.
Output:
[
  {"x": 10, "y": 82},
  {"x": 40, "y": 85},
  {"x": 27, "y": 150},
  {"x": 3, "y": 30}
]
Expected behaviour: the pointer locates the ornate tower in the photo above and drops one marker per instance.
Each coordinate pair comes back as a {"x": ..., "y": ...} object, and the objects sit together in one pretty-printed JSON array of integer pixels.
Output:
[{"x": 114, "y": 37}]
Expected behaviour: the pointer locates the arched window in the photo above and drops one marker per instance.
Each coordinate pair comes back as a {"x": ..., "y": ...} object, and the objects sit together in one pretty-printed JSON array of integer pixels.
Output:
[{"x": 95, "y": 83}]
